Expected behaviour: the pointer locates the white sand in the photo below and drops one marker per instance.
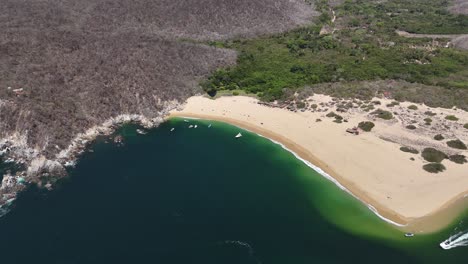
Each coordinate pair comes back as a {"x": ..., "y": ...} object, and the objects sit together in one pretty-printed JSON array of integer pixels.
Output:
[{"x": 373, "y": 169}]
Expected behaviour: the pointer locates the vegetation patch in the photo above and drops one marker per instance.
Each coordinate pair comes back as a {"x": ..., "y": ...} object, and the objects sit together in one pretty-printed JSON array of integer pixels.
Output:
[
  {"x": 364, "y": 48},
  {"x": 383, "y": 114},
  {"x": 439, "y": 137},
  {"x": 429, "y": 113},
  {"x": 411, "y": 127},
  {"x": 413, "y": 107},
  {"x": 409, "y": 149},
  {"x": 392, "y": 104},
  {"x": 434, "y": 167},
  {"x": 456, "y": 143},
  {"x": 459, "y": 159},
  {"x": 465, "y": 125},
  {"x": 366, "y": 126},
  {"x": 451, "y": 118},
  {"x": 433, "y": 155}
]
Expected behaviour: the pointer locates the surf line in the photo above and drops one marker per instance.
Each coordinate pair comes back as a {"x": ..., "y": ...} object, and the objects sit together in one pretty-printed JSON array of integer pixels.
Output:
[{"x": 317, "y": 169}]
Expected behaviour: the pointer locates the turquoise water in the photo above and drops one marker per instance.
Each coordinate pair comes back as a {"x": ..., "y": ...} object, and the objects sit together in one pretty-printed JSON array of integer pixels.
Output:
[{"x": 202, "y": 196}]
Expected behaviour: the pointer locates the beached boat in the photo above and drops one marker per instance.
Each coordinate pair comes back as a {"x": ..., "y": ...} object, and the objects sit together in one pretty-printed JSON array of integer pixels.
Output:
[
  {"x": 409, "y": 235},
  {"x": 239, "y": 135},
  {"x": 209, "y": 125},
  {"x": 186, "y": 121}
]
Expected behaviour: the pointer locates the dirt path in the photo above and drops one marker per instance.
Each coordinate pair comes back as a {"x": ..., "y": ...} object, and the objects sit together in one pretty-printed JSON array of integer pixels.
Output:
[{"x": 456, "y": 40}]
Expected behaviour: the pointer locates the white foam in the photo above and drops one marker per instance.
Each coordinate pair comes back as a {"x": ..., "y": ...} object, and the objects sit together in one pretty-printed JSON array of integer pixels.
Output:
[
  {"x": 460, "y": 239},
  {"x": 330, "y": 178}
]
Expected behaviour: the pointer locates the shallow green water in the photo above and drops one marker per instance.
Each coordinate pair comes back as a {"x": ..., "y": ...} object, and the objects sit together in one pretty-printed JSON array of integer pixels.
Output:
[{"x": 202, "y": 196}]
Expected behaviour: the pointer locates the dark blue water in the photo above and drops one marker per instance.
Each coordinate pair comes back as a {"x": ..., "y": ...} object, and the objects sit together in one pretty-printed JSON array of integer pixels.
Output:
[{"x": 201, "y": 196}]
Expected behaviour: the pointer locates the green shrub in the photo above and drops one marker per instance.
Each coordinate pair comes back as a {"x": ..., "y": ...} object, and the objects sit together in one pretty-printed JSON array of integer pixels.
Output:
[
  {"x": 433, "y": 155},
  {"x": 300, "y": 104},
  {"x": 460, "y": 159},
  {"x": 409, "y": 149},
  {"x": 465, "y": 125},
  {"x": 366, "y": 126},
  {"x": 439, "y": 137},
  {"x": 456, "y": 143},
  {"x": 386, "y": 115},
  {"x": 337, "y": 117},
  {"x": 392, "y": 104},
  {"x": 413, "y": 107},
  {"x": 428, "y": 120},
  {"x": 429, "y": 113},
  {"x": 235, "y": 93},
  {"x": 451, "y": 118},
  {"x": 314, "y": 106},
  {"x": 412, "y": 127},
  {"x": 434, "y": 167}
]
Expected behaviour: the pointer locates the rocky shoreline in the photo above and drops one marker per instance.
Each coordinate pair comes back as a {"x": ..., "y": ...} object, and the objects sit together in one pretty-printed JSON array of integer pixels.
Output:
[{"x": 41, "y": 171}]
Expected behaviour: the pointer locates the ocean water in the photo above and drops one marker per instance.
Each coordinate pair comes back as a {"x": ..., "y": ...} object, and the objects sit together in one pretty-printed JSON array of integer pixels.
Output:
[{"x": 201, "y": 196}]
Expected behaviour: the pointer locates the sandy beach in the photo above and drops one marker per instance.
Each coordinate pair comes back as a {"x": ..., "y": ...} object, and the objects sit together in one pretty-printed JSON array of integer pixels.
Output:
[{"x": 370, "y": 165}]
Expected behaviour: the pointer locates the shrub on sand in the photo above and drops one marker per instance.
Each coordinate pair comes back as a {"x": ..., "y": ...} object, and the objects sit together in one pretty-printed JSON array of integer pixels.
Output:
[
  {"x": 433, "y": 155},
  {"x": 409, "y": 149},
  {"x": 434, "y": 167},
  {"x": 451, "y": 118},
  {"x": 386, "y": 115},
  {"x": 366, "y": 126},
  {"x": 460, "y": 159},
  {"x": 456, "y": 143}
]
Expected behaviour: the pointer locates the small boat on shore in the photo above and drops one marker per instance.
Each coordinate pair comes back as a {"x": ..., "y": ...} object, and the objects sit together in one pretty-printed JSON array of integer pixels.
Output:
[
  {"x": 209, "y": 125},
  {"x": 186, "y": 121},
  {"x": 409, "y": 235},
  {"x": 239, "y": 135}
]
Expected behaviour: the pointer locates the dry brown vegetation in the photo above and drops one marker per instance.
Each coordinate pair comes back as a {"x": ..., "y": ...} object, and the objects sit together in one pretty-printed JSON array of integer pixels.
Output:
[
  {"x": 459, "y": 7},
  {"x": 68, "y": 65}
]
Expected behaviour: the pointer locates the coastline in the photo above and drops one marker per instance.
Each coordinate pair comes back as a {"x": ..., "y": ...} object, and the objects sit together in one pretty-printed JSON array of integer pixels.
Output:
[{"x": 430, "y": 221}]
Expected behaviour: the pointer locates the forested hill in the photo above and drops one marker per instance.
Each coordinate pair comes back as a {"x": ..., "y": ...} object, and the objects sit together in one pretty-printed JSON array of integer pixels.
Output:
[{"x": 68, "y": 65}]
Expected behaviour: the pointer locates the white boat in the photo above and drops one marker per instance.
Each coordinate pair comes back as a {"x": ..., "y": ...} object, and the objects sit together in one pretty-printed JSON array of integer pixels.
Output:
[
  {"x": 409, "y": 235},
  {"x": 239, "y": 135},
  {"x": 140, "y": 131},
  {"x": 185, "y": 120},
  {"x": 209, "y": 125},
  {"x": 195, "y": 126},
  {"x": 445, "y": 245},
  {"x": 172, "y": 129},
  {"x": 190, "y": 126}
]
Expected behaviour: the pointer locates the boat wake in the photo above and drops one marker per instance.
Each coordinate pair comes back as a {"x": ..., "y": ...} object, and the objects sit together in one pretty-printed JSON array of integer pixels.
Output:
[
  {"x": 459, "y": 239},
  {"x": 244, "y": 245}
]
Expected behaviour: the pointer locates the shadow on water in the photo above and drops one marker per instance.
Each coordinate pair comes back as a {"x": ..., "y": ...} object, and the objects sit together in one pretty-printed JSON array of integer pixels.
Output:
[{"x": 201, "y": 196}]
